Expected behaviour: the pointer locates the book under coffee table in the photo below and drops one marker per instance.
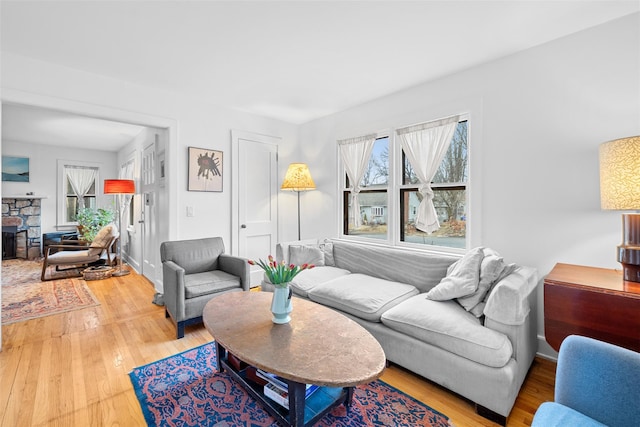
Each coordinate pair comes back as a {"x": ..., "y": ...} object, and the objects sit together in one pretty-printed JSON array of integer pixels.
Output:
[{"x": 319, "y": 346}]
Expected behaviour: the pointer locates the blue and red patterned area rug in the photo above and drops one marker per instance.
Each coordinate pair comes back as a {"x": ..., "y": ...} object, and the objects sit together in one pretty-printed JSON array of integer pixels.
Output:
[{"x": 186, "y": 390}]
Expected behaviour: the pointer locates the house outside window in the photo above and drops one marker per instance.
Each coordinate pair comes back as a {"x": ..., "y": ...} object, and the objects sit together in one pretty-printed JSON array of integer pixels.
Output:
[
  {"x": 373, "y": 195},
  {"x": 387, "y": 181}
]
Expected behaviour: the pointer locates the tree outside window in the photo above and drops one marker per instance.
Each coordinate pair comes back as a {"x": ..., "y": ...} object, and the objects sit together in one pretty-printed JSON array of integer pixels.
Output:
[{"x": 450, "y": 195}]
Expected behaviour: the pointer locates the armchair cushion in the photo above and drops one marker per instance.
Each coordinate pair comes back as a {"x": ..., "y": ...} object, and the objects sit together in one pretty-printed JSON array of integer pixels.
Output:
[
  {"x": 103, "y": 239},
  {"x": 209, "y": 282},
  {"x": 73, "y": 257},
  {"x": 195, "y": 256},
  {"x": 552, "y": 414}
]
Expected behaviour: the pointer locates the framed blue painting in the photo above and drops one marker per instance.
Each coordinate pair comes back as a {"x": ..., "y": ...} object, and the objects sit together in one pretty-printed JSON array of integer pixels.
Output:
[{"x": 15, "y": 169}]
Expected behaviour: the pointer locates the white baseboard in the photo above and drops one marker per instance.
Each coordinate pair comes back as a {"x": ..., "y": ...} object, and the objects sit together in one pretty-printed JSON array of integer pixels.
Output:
[{"x": 545, "y": 350}]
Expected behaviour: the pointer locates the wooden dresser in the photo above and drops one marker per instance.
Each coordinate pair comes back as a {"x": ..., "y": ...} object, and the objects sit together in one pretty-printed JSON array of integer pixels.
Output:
[{"x": 594, "y": 302}]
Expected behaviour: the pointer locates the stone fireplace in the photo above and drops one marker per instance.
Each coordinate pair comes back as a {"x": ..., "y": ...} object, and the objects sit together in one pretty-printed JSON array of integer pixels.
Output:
[{"x": 23, "y": 214}]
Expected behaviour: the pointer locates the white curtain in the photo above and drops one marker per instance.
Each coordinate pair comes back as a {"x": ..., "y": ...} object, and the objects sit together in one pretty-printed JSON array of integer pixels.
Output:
[
  {"x": 81, "y": 179},
  {"x": 425, "y": 145},
  {"x": 355, "y": 153},
  {"x": 126, "y": 172}
]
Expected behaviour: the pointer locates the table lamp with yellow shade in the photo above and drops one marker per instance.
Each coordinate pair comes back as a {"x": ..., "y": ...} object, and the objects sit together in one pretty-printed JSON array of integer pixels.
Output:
[{"x": 620, "y": 190}]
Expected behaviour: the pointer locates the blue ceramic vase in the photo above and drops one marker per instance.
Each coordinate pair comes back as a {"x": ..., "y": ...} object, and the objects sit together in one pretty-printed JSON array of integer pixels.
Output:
[{"x": 281, "y": 304}]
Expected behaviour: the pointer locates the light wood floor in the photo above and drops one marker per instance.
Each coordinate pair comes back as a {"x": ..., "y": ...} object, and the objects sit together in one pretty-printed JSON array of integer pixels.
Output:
[{"x": 72, "y": 369}]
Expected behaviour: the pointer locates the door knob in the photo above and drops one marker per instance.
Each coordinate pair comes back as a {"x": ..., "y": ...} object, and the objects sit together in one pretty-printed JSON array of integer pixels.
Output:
[{"x": 243, "y": 226}]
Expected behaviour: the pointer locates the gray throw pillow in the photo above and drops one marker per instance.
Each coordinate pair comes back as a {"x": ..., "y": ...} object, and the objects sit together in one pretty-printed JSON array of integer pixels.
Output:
[
  {"x": 462, "y": 280},
  {"x": 299, "y": 255},
  {"x": 478, "y": 309},
  {"x": 490, "y": 269},
  {"x": 326, "y": 247}
]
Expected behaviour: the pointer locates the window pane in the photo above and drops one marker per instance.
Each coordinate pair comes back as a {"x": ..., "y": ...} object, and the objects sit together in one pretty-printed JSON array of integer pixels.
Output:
[
  {"x": 90, "y": 202},
  {"x": 69, "y": 187},
  {"x": 373, "y": 212},
  {"x": 377, "y": 172},
  {"x": 451, "y": 208},
  {"x": 72, "y": 208},
  {"x": 454, "y": 165}
]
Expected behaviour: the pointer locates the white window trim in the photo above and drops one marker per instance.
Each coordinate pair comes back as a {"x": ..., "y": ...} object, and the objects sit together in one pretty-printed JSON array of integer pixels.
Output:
[
  {"x": 472, "y": 112},
  {"x": 62, "y": 194}
]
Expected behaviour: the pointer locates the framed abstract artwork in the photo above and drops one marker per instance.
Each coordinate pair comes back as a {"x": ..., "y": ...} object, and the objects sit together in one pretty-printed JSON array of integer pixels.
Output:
[
  {"x": 205, "y": 170},
  {"x": 15, "y": 169}
]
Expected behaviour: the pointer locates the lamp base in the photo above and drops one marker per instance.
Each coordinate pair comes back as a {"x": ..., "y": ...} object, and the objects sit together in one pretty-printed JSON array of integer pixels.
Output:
[
  {"x": 631, "y": 273},
  {"x": 629, "y": 250}
]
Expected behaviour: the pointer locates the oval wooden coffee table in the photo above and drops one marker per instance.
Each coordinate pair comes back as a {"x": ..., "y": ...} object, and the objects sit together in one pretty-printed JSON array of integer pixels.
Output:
[{"x": 319, "y": 346}]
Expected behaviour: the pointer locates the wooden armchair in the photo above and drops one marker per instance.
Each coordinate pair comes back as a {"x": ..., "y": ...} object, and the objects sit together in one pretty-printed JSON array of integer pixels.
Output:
[{"x": 75, "y": 256}]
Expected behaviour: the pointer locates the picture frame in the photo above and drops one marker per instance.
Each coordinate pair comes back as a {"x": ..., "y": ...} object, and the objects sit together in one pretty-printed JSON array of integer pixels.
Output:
[
  {"x": 15, "y": 169},
  {"x": 205, "y": 170}
]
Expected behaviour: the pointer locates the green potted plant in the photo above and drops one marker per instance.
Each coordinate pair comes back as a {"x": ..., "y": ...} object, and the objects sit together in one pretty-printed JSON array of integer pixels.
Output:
[{"x": 90, "y": 221}]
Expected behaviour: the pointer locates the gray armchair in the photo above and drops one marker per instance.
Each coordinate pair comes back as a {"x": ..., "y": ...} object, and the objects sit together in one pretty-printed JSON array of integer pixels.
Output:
[{"x": 194, "y": 271}]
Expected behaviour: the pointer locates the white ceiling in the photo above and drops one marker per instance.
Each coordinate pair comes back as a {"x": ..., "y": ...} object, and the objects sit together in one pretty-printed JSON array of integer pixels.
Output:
[
  {"x": 42, "y": 126},
  {"x": 289, "y": 60}
]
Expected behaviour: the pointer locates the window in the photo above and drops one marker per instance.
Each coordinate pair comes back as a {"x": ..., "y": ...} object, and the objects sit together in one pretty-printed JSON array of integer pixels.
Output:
[
  {"x": 392, "y": 179},
  {"x": 78, "y": 188},
  {"x": 372, "y": 195}
]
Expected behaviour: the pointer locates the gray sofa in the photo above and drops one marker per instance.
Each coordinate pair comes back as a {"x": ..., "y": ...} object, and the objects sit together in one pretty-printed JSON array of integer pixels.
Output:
[{"x": 479, "y": 345}]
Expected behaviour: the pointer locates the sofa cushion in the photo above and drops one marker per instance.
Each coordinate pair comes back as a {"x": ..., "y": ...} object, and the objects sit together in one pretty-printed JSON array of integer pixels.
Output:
[
  {"x": 309, "y": 279},
  {"x": 363, "y": 296},
  {"x": 424, "y": 270},
  {"x": 447, "y": 325},
  {"x": 326, "y": 246},
  {"x": 299, "y": 255},
  {"x": 209, "y": 282},
  {"x": 461, "y": 280}
]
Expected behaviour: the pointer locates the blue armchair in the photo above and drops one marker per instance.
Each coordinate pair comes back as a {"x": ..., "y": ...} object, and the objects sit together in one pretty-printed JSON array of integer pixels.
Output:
[{"x": 597, "y": 384}]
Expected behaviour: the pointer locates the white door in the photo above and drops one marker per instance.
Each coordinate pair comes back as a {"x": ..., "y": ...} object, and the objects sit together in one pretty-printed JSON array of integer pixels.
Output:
[
  {"x": 255, "y": 193},
  {"x": 149, "y": 215}
]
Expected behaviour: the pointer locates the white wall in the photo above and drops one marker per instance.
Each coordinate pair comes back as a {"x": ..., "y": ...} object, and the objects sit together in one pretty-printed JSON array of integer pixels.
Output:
[
  {"x": 192, "y": 123},
  {"x": 537, "y": 119},
  {"x": 43, "y": 174}
]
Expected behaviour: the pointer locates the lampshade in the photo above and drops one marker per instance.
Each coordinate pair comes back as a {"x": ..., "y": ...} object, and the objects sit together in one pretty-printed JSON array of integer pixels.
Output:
[
  {"x": 298, "y": 178},
  {"x": 620, "y": 174},
  {"x": 119, "y": 186}
]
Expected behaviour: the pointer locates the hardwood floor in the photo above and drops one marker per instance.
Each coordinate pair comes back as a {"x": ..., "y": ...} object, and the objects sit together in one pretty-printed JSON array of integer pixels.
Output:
[{"x": 72, "y": 369}]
